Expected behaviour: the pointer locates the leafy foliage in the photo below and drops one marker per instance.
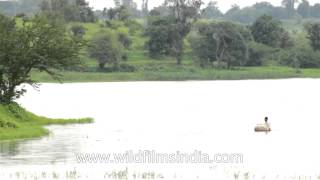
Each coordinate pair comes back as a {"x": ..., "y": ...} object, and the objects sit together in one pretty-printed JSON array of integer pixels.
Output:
[
  {"x": 222, "y": 43},
  {"x": 77, "y": 10},
  {"x": 302, "y": 56},
  {"x": 304, "y": 9},
  {"x": 267, "y": 30},
  {"x": 41, "y": 44},
  {"x": 159, "y": 32},
  {"x": 184, "y": 13},
  {"x": 313, "y": 30},
  {"x": 258, "y": 54},
  {"x": 78, "y": 30},
  {"x": 211, "y": 11},
  {"x": 106, "y": 48}
]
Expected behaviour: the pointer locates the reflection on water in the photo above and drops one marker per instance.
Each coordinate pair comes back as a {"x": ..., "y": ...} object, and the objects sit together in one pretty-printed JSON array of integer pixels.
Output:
[
  {"x": 8, "y": 149},
  {"x": 47, "y": 150},
  {"x": 212, "y": 117}
]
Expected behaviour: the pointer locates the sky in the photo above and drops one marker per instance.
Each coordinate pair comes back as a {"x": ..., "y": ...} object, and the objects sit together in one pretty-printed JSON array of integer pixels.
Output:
[{"x": 224, "y": 5}]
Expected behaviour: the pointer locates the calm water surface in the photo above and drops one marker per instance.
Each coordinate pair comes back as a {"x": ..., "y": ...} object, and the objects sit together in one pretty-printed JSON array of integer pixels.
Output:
[{"x": 211, "y": 117}]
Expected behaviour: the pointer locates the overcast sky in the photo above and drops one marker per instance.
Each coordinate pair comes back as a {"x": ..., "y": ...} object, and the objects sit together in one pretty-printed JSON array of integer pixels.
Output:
[{"x": 223, "y": 4}]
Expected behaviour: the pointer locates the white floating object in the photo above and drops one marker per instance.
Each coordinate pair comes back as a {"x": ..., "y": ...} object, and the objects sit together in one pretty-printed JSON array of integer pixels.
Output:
[{"x": 262, "y": 128}]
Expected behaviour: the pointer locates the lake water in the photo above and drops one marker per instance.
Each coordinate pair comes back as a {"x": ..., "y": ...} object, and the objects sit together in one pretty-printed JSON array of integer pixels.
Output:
[{"x": 214, "y": 117}]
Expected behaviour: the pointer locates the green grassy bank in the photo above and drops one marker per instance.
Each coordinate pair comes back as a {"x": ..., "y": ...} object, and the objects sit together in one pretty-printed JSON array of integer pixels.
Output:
[
  {"x": 17, "y": 123},
  {"x": 183, "y": 74}
]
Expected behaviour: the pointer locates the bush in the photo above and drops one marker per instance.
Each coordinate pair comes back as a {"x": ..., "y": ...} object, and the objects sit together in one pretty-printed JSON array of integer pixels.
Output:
[
  {"x": 21, "y": 15},
  {"x": 120, "y": 68},
  {"x": 202, "y": 51},
  {"x": 6, "y": 124},
  {"x": 127, "y": 68},
  {"x": 300, "y": 57},
  {"x": 220, "y": 65},
  {"x": 106, "y": 48},
  {"x": 267, "y": 30},
  {"x": 78, "y": 30},
  {"x": 114, "y": 24},
  {"x": 123, "y": 37},
  {"x": 258, "y": 54},
  {"x": 159, "y": 33},
  {"x": 134, "y": 26}
]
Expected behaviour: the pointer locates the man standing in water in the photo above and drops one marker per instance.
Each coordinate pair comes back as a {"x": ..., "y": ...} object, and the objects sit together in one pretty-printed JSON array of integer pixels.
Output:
[
  {"x": 266, "y": 123},
  {"x": 263, "y": 127}
]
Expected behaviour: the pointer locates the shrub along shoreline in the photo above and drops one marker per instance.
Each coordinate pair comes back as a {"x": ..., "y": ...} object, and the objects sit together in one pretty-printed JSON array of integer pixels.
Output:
[{"x": 17, "y": 123}]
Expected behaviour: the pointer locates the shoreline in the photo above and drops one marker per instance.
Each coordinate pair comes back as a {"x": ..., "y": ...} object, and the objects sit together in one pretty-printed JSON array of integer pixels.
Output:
[
  {"x": 250, "y": 73},
  {"x": 16, "y": 123}
]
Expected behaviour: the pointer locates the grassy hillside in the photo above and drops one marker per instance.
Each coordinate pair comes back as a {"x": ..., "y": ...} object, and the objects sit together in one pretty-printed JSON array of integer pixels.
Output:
[
  {"x": 165, "y": 69},
  {"x": 17, "y": 123}
]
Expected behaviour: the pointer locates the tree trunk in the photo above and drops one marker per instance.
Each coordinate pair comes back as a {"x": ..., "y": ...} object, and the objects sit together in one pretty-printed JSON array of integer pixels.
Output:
[
  {"x": 179, "y": 60},
  {"x": 7, "y": 93},
  {"x": 179, "y": 53}
]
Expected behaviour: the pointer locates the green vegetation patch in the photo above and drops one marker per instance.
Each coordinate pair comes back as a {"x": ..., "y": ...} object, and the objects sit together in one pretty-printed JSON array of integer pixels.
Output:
[
  {"x": 17, "y": 123},
  {"x": 162, "y": 72}
]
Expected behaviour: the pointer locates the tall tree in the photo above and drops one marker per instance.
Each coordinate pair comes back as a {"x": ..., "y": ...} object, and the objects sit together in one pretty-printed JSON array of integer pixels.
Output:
[
  {"x": 39, "y": 45},
  {"x": 211, "y": 11},
  {"x": 289, "y": 4},
  {"x": 267, "y": 30},
  {"x": 111, "y": 13},
  {"x": 304, "y": 9},
  {"x": 117, "y": 3},
  {"x": 315, "y": 10},
  {"x": 222, "y": 44},
  {"x": 129, "y": 4},
  {"x": 313, "y": 30},
  {"x": 233, "y": 9},
  {"x": 45, "y": 6},
  {"x": 160, "y": 31},
  {"x": 77, "y": 10},
  {"x": 185, "y": 12},
  {"x": 145, "y": 7}
]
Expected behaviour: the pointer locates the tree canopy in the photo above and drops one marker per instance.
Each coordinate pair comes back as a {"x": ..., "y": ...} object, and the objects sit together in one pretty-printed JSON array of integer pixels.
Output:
[
  {"x": 313, "y": 30},
  {"x": 107, "y": 49},
  {"x": 40, "y": 44},
  {"x": 179, "y": 22},
  {"x": 267, "y": 30},
  {"x": 222, "y": 44},
  {"x": 77, "y": 10}
]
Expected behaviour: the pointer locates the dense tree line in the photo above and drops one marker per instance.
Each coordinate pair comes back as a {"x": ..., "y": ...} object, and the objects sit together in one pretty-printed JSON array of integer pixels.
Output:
[
  {"x": 70, "y": 10},
  {"x": 12, "y": 8},
  {"x": 249, "y": 14},
  {"x": 78, "y": 10},
  {"x": 224, "y": 44}
]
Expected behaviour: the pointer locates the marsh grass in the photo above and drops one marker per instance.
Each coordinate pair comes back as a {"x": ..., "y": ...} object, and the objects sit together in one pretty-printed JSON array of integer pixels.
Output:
[{"x": 17, "y": 123}]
